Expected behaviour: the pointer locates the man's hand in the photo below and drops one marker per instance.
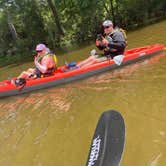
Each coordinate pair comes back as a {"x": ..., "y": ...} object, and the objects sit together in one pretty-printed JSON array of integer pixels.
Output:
[{"x": 105, "y": 42}]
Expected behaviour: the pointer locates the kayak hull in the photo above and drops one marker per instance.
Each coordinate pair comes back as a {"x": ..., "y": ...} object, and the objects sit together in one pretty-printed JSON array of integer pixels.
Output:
[{"x": 131, "y": 56}]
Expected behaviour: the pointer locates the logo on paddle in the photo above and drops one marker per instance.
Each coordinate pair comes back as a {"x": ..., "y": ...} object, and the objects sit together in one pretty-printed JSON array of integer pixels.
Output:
[{"x": 94, "y": 151}]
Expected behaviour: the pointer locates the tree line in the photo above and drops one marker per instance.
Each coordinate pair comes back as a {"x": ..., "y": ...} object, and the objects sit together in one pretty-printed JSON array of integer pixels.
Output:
[{"x": 63, "y": 23}]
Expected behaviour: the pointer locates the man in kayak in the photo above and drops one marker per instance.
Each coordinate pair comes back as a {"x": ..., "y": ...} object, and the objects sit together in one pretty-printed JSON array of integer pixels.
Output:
[
  {"x": 112, "y": 42},
  {"x": 45, "y": 62}
]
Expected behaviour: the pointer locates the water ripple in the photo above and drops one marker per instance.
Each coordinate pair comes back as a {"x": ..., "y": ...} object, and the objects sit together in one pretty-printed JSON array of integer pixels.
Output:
[{"x": 155, "y": 160}]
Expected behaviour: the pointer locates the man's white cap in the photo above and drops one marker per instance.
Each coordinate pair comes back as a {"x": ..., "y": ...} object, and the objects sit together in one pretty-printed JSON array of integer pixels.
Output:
[{"x": 107, "y": 23}]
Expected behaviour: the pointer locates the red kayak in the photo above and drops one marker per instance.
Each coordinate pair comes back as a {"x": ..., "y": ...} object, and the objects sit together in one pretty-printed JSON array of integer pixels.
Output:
[{"x": 7, "y": 88}]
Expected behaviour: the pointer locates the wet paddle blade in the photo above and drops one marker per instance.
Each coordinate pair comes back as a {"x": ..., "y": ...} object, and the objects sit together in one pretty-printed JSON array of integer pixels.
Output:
[{"x": 108, "y": 140}]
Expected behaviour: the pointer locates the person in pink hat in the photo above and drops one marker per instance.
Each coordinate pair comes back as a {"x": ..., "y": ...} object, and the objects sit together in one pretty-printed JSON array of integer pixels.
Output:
[{"x": 45, "y": 64}]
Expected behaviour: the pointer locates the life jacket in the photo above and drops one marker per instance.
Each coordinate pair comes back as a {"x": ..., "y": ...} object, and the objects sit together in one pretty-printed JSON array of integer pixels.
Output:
[
  {"x": 49, "y": 70},
  {"x": 111, "y": 51},
  {"x": 53, "y": 56},
  {"x": 117, "y": 29}
]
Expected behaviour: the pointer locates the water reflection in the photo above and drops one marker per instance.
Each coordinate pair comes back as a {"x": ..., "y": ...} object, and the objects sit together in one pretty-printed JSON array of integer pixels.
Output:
[
  {"x": 58, "y": 97},
  {"x": 155, "y": 160},
  {"x": 118, "y": 75},
  {"x": 41, "y": 125},
  {"x": 54, "y": 99}
]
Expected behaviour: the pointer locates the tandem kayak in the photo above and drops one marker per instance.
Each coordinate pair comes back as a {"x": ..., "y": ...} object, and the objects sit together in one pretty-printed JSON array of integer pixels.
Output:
[{"x": 7, "y": 88}]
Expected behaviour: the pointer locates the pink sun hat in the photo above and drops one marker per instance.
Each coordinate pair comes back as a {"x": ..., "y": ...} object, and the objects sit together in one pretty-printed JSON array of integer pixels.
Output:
[{"x": 40, "y": 47}]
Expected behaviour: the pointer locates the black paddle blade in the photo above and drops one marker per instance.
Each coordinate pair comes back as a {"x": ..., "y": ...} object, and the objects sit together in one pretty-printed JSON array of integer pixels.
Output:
[{"x": 108, "y": 140}]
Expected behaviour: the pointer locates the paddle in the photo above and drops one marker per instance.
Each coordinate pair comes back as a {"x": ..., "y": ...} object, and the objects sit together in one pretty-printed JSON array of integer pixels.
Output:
[{"x": 108, "y": 141}]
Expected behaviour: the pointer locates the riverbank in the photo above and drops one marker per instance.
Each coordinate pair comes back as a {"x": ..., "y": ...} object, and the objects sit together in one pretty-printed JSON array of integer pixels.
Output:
[
  {"x": 60, "y": 121},
  {"x": 135, "y": 38}
]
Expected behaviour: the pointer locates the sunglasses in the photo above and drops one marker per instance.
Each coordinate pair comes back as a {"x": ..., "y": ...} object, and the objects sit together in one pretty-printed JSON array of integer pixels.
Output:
[
  {"x": 106, "y": 27},
  {"x": 39, "y": 51}
]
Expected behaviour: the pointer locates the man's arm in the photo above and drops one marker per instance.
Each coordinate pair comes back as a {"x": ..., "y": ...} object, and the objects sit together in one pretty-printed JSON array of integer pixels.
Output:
[{"x": 117, "y": 41}]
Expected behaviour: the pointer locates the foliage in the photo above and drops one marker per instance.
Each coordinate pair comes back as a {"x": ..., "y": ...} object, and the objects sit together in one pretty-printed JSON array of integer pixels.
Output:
[{"x": 63, "y": 23}]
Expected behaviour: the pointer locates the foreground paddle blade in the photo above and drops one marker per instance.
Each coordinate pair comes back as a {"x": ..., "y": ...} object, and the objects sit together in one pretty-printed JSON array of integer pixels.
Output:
[{"x": 108, "y": 140}]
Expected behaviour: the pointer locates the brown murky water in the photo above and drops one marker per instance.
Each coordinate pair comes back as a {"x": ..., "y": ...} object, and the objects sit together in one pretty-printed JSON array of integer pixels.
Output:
[{"x": 54, "y": 127}]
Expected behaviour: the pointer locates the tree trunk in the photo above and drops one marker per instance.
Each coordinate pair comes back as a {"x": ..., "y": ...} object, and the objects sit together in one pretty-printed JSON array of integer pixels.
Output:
[
  {"x": 112, "y": 12},
  {"x": 107, "y": 10},
  {"x": 56, "y": 17},
  {"x": 11, "y": 27}
]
